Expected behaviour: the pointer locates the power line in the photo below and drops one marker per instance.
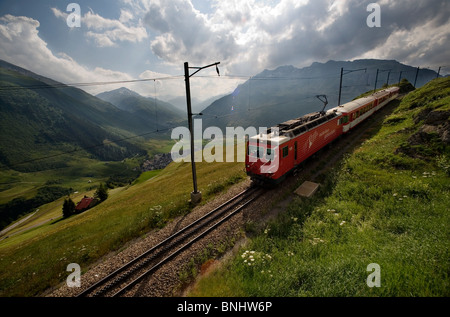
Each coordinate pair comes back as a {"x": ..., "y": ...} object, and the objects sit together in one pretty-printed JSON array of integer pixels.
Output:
[
  {"x": 87, "y": 84},
  {"x": 211, "y": 116},
  {"x": 90, "y": 147}
]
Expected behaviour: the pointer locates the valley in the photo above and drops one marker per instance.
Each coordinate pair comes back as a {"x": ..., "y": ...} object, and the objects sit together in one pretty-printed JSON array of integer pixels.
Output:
[{"x": 64, "y": 142}]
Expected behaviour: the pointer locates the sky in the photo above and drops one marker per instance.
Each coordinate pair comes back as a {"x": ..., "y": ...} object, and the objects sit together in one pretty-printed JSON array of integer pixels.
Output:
[{"x": 126, "y": 40}]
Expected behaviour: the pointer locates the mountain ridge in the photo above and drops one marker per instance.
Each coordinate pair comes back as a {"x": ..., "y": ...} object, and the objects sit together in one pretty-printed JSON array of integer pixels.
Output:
[
  {"x": 286, "y": 92},
  {"x": 41, "y": 117}
]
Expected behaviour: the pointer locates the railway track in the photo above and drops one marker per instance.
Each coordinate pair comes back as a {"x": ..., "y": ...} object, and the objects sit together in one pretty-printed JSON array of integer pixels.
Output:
[{"x": 123, "y": 279}]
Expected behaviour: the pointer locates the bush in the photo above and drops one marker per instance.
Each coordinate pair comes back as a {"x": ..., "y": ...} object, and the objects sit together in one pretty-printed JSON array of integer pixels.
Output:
[{"x": 405, "y": 86}]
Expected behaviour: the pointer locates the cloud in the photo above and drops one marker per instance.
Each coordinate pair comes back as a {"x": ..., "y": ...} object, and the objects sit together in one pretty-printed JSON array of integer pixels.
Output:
[
  {"x": 22, "y": 46},
  {"x": 112, "y": 31},
  {"x": 425, "y": 42},
  {"x": 248, "y": 35},
  {"x": 125, "y": 16},
  {"x": 186, "y": 34},
  {"x": 108, "y": 32}
]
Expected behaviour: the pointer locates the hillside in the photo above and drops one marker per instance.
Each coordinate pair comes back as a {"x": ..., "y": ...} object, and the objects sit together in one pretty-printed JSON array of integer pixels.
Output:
[
  {"x": 41, "y": 122},
  {"x": 129, "y": 212},
  {"x": 150, "y": 111},
  {"x": 386, "y": 204},
  {"x": 196, "y": 104},
  {"x": 57, "y": 139},
  {"x": 36, "y": 259},
  {"x": 278, "y": 95}
]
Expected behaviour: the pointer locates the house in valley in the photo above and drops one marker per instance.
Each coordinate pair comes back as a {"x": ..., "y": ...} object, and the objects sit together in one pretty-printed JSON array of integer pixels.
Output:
[{"x": 85, "y": 204}]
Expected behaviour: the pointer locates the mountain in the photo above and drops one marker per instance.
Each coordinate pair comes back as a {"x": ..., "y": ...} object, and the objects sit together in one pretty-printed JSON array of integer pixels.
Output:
[
  {"x": 196, "y": 104},
  {"x": 275, "y": 96},
  {"x": 151, "y": 111},
  {"x": 40, "y": 117}
]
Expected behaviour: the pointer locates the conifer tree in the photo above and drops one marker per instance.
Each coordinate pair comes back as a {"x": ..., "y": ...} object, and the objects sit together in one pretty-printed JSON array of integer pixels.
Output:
[
  {"x": 101, "y": 192},
  {"x": 68, "y": 207}
]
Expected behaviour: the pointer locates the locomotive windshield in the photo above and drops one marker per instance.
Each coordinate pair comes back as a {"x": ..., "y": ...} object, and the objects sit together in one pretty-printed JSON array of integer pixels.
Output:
[
  {"x": 261, "y": 152},
  {"x": 255, "y": 150}
]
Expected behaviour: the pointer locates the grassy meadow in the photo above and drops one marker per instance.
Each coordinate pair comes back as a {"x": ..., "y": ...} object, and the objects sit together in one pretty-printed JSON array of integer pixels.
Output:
[
  {"x": 377, "y": 206},
  {"x": 35, "y": 260}
]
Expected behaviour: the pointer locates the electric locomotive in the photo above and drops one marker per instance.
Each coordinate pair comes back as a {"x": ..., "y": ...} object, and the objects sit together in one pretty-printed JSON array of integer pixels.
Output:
[{"x": 273, "y": 155}]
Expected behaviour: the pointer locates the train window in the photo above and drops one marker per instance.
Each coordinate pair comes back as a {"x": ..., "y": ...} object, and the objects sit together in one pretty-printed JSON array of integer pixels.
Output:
[
  {"x": 285, "y": 151},
  {"x": 343, "y": 120},
  {"x": 270, "y": 154},
  {"x": 261, "y": 152},
  {"x": 253, "y": 150}
]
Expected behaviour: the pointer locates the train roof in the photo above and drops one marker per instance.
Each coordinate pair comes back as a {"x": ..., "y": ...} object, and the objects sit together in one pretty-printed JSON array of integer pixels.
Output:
[
  {"x": 270, "y": 137},
  {"x": 295, "y": 127},
  {"x": 355, "y": 104}
]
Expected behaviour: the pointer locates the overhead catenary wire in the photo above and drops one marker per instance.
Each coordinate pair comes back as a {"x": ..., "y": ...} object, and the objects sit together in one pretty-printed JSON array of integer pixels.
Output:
[
  {"x": 57, "y": 85},
  {"x": 157, "y": 130},
  {"x": 106, "y": 142}
]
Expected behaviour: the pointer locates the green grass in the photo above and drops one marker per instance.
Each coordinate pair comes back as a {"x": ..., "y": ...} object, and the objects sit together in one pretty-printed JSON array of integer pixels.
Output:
[
  {"x": 375, "y": 207},
  {"x": 145, "y": 176},
  {"x": 35, "y": 260},
  {"x": 81, "y": 174}
]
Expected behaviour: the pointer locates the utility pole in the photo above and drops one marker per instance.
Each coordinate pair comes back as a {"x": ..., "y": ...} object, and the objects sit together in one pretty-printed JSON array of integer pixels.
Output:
[
  {"x": 376, "y": 77},
  {"x": 340, "y": 86},
  {"x": 342, "y": 74},
  {"x": 415, "y": 80},
  {"x": 389, "y": 74},
  {"x": 196, "y": 196},
  {"x": 400, "y": 77},
  {"x": 439, "y": 71}
]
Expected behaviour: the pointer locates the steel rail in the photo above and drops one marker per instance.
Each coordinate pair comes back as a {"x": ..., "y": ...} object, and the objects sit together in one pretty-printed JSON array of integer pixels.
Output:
[
  {"x": 182, "y": 248},
  {"x": 114, "y": 278}
]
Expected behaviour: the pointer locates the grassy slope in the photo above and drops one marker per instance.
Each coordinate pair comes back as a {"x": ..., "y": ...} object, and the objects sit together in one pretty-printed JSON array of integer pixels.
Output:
[
  {"x": 377, "y": 207},
  {"x": 37, "y": 259},
  {"x": 79, "y": 169}
]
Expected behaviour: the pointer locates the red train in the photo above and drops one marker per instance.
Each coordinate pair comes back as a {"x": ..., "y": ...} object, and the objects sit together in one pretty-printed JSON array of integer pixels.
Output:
[{"x": 270, "y": 157}]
